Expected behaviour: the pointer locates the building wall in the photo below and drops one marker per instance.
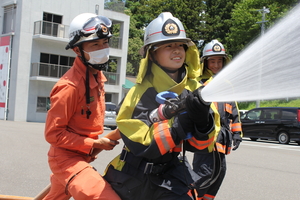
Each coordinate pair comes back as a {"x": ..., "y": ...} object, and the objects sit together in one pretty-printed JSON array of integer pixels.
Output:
[{"x": 26, "y": 48}]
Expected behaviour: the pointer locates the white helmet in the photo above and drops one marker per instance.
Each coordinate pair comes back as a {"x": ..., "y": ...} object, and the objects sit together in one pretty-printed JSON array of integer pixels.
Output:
[
  {"x": 164, "y": 28},
  {"x": 214, "y": 48},
  {"x": 87, "y": 27}
]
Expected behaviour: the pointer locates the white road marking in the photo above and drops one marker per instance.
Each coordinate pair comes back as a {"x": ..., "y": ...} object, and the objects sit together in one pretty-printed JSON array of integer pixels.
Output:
[{"x": 271, "y": 146}]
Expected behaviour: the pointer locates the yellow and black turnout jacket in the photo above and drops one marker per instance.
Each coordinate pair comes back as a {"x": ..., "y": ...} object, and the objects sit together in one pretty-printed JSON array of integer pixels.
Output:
[{"x": 155, "y": 142}]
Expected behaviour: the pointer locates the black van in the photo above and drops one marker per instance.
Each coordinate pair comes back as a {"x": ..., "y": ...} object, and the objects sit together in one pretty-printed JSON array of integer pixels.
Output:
[{"x": 272, "y": 123}]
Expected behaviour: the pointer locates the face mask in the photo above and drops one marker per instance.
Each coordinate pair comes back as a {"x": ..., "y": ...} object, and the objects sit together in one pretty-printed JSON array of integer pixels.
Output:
[{"x": 99, "y": 56}]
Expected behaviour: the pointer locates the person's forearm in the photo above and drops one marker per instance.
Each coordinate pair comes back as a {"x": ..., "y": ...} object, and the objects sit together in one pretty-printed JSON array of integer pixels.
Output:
[{"x": 114, "y": 135}]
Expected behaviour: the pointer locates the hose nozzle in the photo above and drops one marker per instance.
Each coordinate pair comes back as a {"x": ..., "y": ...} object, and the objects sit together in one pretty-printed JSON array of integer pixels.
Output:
[{"x": 197, "y": 93}]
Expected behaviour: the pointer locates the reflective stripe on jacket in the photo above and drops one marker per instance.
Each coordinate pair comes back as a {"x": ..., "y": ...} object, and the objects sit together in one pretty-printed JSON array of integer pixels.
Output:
[{"x": 153, "y": 141}]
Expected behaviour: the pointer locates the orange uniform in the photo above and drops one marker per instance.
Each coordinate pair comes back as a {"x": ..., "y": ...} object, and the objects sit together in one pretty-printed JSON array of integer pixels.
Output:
[{"x": 71, "y": 135}]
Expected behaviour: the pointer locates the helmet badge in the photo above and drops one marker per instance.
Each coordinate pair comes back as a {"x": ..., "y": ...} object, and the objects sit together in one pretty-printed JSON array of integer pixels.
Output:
[
  {"x": 217, "y": 48},
  {"x": 170, "y": 27}
]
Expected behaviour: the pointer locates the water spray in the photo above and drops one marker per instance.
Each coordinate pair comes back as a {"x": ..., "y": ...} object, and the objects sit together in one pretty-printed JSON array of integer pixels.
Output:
[{"x": 267, "y": 69}]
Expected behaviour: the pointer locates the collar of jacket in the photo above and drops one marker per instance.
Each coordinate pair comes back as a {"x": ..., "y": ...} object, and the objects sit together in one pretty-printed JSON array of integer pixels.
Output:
[
  {"x": 192, "y": 59},
  {"x": 163, "y": 82},
  {"x": 207, "y": 74},
  {"x": 81, "y": 68}
]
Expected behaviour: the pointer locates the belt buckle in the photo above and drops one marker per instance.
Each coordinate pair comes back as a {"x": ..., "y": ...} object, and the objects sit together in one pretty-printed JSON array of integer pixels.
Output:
[{"x": 148, "y": 168}]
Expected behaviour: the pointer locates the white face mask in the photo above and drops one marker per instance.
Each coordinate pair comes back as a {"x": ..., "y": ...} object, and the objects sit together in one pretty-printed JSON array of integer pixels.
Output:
[{"x": 99, "y": 56}]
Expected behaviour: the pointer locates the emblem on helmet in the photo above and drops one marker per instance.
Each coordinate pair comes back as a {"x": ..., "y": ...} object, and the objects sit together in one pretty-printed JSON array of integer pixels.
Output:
[
  {"x": 170, "y": 28},
  {"x": 217, "y": 48},
  {"x": 163, "y": 28}
]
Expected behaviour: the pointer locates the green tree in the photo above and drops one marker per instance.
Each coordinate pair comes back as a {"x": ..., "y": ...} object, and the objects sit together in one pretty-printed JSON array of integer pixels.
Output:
[
  {"x": 244, "y": 17},
  {"x": 135, "y": 42},
  {"x": 188, "y": 12},
  {"x": 112, "y": 65},
  {"x": 217, "y": 19},
  {"x": 115, "y": 5},
  {"x": 232, "y": 22}
]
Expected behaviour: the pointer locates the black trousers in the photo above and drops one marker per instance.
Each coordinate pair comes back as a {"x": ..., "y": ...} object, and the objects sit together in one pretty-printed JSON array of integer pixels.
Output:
[
  {"x": 133, "y": 184},
  {"x": 204, "y": 165}
]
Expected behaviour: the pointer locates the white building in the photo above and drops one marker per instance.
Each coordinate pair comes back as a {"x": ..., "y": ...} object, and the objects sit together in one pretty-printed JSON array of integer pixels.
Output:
[{"x": 33, "y": 37}]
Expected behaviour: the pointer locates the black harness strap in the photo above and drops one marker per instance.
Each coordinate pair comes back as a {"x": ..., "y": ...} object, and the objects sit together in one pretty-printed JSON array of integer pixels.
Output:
[
  {"x": 87, "y": 84},
  {"x": 87, "y": 96}
]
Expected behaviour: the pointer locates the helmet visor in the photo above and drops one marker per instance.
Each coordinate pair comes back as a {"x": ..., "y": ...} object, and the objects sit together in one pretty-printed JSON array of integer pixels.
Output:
[
  {"x": 99, "y": 24},
  {"x": 98, "y": 27}
]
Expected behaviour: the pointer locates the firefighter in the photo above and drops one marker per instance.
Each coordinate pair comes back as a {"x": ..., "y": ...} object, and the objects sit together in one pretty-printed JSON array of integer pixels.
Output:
[
  {"x": 76, "y": 116},
  {"x": 148, "y": 167},
  {"x": 214, "y": 59}
]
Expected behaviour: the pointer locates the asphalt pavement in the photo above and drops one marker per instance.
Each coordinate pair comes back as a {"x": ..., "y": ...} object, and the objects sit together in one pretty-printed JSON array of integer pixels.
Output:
[
  {"x": 24, "y": 169},
  {"x": 257, "y": 170}
]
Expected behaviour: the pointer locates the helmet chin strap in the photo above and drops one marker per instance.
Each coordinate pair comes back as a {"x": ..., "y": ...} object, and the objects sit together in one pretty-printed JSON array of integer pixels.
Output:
[
  {"x": 87, "y": 84},
  {"x": 87, "y": 79},
  {"x": 99, "y": 67}
]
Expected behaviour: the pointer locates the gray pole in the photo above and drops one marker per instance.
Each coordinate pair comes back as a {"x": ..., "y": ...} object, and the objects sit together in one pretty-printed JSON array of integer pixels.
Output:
[{"x": 264, "y": 11}]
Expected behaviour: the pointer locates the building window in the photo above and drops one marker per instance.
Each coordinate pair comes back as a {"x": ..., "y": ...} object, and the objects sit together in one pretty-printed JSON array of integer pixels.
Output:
[
  {"x": 54, "y": 65},
  {"x": 43, "y": 104},
  {"x": 52, "y": 18},
  {"x": 108, "y": 97},
  {"x": 9, "y": 18},
  {"x": 51, "y": 24}
]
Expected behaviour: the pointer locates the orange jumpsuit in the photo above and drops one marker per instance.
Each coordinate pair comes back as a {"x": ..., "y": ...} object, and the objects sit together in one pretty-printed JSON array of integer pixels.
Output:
[{"x": 71, "y": 136}]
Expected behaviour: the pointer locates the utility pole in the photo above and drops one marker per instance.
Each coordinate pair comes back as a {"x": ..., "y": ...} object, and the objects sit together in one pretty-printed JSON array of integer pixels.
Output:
[
  {"x": 262, "y": 22},
  {"x": 263, "y": 11}
]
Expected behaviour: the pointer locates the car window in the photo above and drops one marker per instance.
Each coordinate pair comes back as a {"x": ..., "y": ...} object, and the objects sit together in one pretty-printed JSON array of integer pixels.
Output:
[
  {"x": 266, "y": 115},
  {"x": 275, "y": 114},
  {"x": 242, "y": 115},
  {"x": 289, "y": 115},
  {"x": 270, "y": 114},
  {"x": 110, "y": 107},
  {"x": 254, "y": 114}
]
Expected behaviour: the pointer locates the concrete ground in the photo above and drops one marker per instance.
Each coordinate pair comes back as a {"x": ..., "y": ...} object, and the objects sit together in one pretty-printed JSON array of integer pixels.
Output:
[{"x": 24, "y": 167}]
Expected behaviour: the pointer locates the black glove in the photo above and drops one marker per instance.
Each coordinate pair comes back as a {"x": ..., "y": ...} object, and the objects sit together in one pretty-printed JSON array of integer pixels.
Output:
[
  {"x": 237, "y": 139},
  {"x": 198, "y": 111},
  {"x": 172, "y": 107},
  {"x": 182, "y": 127}
]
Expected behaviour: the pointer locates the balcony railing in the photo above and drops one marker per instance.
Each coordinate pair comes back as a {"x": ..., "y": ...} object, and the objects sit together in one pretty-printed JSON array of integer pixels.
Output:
[
  {"x": 115, "y": 42},
  {"x": 48, "y": 70},
  {"x": 62, "y": 31},
  {"x": 56, "y": 71},
  {"x": 112, "y": 78},
  {"x": 51, "y": 29}
]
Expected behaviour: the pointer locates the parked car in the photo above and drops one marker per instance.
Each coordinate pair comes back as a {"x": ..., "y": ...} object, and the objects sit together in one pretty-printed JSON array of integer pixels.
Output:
[
  {"x": 110, "y": 115},
  {"x": 272, "y": 123}
]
